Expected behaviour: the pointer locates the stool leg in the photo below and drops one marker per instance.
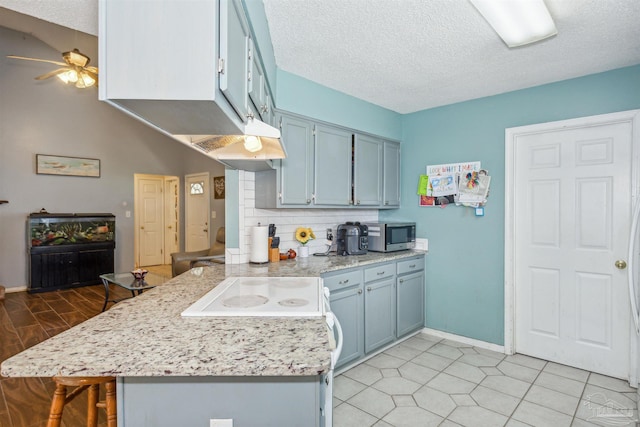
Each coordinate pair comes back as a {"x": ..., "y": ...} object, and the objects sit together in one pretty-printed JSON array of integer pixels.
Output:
[
  {"x": 57, "y": 405},
  {"x": 92, "y": 401},
  {"x": 112, "y": 415}
]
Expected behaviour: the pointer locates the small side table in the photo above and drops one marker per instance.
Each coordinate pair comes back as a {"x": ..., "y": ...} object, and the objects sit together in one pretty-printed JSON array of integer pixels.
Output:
[{"x": 127, "y": 281}]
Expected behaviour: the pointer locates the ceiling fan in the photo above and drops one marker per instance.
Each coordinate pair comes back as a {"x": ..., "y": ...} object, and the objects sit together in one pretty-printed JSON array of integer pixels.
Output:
[{"x": 75, "y": 69}]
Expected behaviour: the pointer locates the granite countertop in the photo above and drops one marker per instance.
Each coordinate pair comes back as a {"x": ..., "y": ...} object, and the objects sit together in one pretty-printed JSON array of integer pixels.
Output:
[{"x": 146, "y": 336}]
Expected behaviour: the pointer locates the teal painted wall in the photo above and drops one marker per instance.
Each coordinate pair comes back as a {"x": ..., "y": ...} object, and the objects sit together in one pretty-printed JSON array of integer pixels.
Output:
[
  {"x": 299, "y": 95},
  {"x": 465, "y": 266}
]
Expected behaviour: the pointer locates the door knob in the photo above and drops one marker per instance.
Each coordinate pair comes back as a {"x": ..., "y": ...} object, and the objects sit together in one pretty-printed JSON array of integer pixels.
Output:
[
  {"x": 142, "y": 228},
  {"x": 205, "y": 230},
  {"x": 621, "y": 264}
]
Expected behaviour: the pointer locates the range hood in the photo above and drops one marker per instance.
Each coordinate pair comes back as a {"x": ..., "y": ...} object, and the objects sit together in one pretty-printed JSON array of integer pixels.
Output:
[
  {"x": 251, "y": 149},
  {"x": 208, "y": 127}
]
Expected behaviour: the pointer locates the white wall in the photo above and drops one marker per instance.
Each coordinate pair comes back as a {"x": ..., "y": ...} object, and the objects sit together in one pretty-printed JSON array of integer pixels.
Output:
[
  {"x": 286, "y": 221},
  {"x": 48, "y": 117}
]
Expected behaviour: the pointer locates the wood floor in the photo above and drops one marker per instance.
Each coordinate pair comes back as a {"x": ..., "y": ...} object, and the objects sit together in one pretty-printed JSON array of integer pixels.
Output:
[{"x": 27, "y": 319}]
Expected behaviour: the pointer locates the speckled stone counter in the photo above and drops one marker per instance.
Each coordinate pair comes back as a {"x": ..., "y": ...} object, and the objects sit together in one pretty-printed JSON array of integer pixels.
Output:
[{"x": 146, "y": 336}]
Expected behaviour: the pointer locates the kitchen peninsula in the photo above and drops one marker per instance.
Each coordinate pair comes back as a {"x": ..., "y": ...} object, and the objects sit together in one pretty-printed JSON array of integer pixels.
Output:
[{"x": 174, "y": 370}]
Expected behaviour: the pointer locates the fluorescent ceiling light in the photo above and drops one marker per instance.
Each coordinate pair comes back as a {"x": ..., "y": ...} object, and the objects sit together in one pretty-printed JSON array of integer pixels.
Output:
[{"x": 517, "y": 22}]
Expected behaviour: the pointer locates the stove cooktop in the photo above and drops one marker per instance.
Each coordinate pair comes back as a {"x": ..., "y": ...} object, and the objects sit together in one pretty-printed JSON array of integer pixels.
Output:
[{"x": 262, "y": 296}]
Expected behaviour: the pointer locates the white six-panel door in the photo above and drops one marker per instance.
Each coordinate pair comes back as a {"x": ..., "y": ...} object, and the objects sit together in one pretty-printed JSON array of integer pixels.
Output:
[
  {"x": 150, "y": 220},
  {"x": 571, "y": 199}
]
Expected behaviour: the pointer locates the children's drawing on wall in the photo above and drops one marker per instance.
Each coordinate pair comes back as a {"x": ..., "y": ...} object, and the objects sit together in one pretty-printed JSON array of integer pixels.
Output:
[{"x": 463, "y": 184}]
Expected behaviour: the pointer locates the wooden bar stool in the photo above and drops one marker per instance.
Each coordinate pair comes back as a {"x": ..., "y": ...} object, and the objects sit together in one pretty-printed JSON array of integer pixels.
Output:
[{"x": 92, "y": 384}]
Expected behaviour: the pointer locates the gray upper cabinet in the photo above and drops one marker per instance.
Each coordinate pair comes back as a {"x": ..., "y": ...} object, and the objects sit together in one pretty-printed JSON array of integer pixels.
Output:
[
  {"x": 234, "y": 56},
  {"x": 391, "y": 174},
  {"x": 332, "y": 178},
  {"x": 367, "y": 171},
  {"x": 330, "y": 167},
  {"x": 295, "y": 178}
]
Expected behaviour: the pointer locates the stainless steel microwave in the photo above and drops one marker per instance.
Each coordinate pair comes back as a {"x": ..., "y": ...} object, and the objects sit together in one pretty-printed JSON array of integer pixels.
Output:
[{"x": 391, "y": 236}]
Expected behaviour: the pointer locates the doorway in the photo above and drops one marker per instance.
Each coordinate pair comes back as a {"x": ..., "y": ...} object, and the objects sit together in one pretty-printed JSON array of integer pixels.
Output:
[
  {"x": 197, "y": 205},
  {"x": 156, "y": 219},
  {"x": 569, "y": 191}
]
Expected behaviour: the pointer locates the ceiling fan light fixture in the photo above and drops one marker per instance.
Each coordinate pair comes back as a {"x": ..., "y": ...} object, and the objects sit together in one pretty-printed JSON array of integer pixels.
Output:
[
  {"x": 87, "y": 80},
  {"x": 517, "y": 22},
  {"x": 70, "y": 76}
]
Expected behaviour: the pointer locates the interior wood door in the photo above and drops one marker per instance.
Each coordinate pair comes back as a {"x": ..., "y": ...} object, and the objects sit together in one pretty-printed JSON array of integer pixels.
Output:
[
  {"x": 197, "y": 204},
  {"x": 573, "y": 190},
  {"x": 150, "y": 220},
  {"x": 171, "y": 217}
]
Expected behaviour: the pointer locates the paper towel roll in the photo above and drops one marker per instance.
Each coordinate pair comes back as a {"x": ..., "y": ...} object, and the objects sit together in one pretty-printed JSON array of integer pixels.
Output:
[{"x": 259, "y": 244}]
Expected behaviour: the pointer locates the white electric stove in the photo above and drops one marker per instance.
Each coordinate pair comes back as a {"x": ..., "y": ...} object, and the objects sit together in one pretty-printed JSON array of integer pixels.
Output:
[{"x": 262, "y": 296}]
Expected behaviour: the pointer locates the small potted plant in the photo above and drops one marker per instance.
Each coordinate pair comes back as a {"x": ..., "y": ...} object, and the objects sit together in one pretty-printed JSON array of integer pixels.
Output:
[{"x": 304, "y": 235}]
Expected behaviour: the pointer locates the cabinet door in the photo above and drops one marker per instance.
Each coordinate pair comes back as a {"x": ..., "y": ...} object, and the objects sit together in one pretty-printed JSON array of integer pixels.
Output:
[
  {"x": 348, "y": 306},
  {"x": 391, "y": 176},
  {"x": 234, "y": 56},
  {"x": 332, "y": 166},
  {"x": 296, "y": 171},
  {"x": 379, "y": 314},
  {"x": 410, "y": 306},
  {"x": 257, "y": 91},
  {"x": 94, "y": 263},
  {"x": 58, "y": 269},
  {"x": 367, "y": 171}
]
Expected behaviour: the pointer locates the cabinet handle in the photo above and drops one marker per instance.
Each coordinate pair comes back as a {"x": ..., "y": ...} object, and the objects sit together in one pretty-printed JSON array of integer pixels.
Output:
[
  {"x": 358, "y": 201},
  {"x": 380, "y": 273},
  {"x": 170, "y": 227},
  {"x": 412, "y": 266},
  {"x": 386, "y": 202},
  {"x": 308, "y": 201},
  {"x": 401, "y": 280},
  {"x": 342, "y": 282},
  {"x": 368, "y": 288},
  {"x": 359, "y": 291},
  {"x": 205, "y": 230}
]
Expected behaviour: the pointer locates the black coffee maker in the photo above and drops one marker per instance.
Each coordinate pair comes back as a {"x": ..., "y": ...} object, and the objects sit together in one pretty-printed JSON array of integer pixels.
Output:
[{"x": 352, "y": 238}]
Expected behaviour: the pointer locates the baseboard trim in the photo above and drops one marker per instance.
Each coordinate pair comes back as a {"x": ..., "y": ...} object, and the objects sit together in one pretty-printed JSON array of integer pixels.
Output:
[
  {"x": 15, "y": 289},
  {"x": 464, "y": 340}
]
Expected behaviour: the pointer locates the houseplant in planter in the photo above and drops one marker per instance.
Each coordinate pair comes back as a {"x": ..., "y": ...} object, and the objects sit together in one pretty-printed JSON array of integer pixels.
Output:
[{"x": 304, "y": 235}]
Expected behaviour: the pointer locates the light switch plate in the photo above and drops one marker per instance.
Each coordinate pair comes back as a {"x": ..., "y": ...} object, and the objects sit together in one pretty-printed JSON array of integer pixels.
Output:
[{"x": 479, "y": 211}]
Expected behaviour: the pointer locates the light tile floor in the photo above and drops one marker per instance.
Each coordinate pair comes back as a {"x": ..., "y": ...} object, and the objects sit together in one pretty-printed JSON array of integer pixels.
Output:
[{"x": 428, "y": 381}]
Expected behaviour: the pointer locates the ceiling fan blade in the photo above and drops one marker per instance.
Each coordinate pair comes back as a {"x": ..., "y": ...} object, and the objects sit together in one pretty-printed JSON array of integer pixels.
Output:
[
  {"x": 35, "y": 59},
  {"x": 52, "y": 73},
  {"x": 92, "y": 69}
]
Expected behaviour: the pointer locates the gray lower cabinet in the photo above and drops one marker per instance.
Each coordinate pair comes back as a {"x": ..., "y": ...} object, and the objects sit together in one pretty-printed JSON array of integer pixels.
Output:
[
  {"x": 410, "y": 296},
  {"x": 347, "y": 303},
  {"x": 194, "y": 401},
  {"x": 379, "y": 314},
  {"x": 377, "y": 304}
]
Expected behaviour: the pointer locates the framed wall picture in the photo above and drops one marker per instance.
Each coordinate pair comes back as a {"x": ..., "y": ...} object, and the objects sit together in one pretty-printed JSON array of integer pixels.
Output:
[
  {"x": 64, "y": 165},
  {"x": 218, "y": 187}
]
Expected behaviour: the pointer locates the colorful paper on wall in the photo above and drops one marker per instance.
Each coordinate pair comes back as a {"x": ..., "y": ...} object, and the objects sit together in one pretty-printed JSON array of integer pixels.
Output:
[
  {"x": 443, "y": 185},
  {"x": 423, "y": 184}
]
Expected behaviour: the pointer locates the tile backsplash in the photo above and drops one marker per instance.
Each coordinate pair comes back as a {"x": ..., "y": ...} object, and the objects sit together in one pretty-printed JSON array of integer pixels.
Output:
[{"x": 286, "y": 221}]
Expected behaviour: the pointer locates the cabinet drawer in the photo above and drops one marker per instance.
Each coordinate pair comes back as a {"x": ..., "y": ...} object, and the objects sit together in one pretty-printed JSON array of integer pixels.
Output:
[
  {"x": 411, "y": 265},
  {"x": 379, "y": 272},
  {"x": 342, "y": 280}
]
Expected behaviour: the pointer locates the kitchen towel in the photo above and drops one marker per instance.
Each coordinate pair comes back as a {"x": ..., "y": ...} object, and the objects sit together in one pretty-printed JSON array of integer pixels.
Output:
[{"x": 259, "y": 244}]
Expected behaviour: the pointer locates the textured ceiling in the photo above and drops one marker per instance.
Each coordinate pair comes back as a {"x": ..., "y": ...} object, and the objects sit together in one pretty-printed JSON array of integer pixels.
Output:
[
  {"x": 409, "y": 55},
  {"x": 405, "y": 55}
]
